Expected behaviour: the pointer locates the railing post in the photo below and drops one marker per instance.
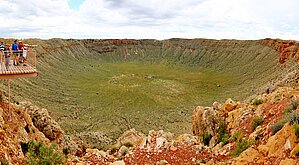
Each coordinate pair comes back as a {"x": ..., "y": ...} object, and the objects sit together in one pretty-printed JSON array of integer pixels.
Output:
[{"x": 9, "y": 111}]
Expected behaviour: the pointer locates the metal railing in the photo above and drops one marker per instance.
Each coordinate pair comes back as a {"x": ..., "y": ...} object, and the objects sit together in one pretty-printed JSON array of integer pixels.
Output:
[{"x": 18, "y": 56}]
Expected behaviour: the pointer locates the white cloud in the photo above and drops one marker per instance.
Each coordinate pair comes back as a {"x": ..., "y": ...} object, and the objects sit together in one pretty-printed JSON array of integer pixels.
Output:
[{"x": 240, "y": 19}]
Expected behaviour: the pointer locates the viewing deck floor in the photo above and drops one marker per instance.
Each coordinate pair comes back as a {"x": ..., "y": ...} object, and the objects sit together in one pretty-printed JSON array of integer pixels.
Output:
[{"x": 19, "y": 71}]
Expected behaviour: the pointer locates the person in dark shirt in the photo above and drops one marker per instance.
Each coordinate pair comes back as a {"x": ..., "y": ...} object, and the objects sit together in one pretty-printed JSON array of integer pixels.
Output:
[
  {"x": 21, "y": 46},
  {"x": 2, "y": 49},
  {"x": 2, "y": 46}
]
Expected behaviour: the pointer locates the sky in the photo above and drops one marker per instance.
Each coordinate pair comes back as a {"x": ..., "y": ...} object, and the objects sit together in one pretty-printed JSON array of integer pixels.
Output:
[{"x": 150, "y": 19}]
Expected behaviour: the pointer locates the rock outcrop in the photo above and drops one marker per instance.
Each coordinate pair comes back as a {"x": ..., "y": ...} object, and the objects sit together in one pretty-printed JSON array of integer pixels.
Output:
[
  {"x": 277, "y": 148},
  {"x": 155, "y": 140},
  {"x": 42, "y": 120},
  {"x": 282, "y": 142},
  {"x": 205, "y": 120},
  {"x": 132, "y": 137},
  {"x": 133, "y": 144},
  {"x": 16, "y": 128},
  {"x": 252, "y": 124},
  {"x": 287, "y": 49}
]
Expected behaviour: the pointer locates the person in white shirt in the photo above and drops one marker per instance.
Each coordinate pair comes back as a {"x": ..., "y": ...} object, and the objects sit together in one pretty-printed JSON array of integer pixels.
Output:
[{"x": 24, "y": 55}]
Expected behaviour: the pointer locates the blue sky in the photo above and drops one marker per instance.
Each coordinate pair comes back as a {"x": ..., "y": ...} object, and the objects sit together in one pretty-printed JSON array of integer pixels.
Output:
[
  {"x": 75, "y": 4},
  {"x": 154, "y": 19}
]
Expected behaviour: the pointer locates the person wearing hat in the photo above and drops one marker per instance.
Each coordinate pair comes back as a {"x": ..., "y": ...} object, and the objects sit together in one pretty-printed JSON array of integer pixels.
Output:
[{"x": 21, "y": 46}]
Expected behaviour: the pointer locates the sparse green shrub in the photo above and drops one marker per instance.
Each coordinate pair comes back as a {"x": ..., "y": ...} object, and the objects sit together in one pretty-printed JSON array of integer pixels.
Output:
[
  {"x": 206, "y": 137},
  {"x": 293, "y": 118},
  {"x": 237, "y": 136},
  {"x": 287, "y": 110},
  {"x": 222, "y": 128},
  {"x": 224, "y": 139},
  {"x": 257, "y": 101},
  {"x": 256, "y": 122},
  {"x": 296, "y": 129},
  {"x": 288, "y": 117},
  {"x": 242, "y": 145},
  {"x": 222, "y": 133},
  {"x": 41, "y": 154},
  {"x": 295, "y": 104},
  {"x": 3, "y": 161}
]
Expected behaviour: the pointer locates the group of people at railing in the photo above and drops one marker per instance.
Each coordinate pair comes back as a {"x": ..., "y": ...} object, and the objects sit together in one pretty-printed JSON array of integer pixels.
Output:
[{"x": 17, "y": 50}]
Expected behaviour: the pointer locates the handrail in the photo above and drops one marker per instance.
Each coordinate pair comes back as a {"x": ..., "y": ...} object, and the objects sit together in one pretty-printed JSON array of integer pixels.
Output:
[{"x": 30, "y": 55}]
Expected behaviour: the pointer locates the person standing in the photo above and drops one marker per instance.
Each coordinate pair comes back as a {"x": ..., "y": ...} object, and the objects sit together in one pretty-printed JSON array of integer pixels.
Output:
[
  {"x": 24, "y": 56},
  {"x": 2, "y": 49},
  {"x": 15, "y": 49},
  {"x": 21, "y": 46},
  {"x": 7, "y": 55}
]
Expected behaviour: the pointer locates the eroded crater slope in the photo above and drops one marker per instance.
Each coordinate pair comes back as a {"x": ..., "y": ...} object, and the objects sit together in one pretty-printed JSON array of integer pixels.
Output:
[{"x": 97, "y": 89}]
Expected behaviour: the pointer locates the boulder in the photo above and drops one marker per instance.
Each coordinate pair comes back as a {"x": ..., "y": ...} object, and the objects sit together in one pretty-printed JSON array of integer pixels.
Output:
[
  {"x": 43, "y": 121},
  {"x": 213, "y": 141},
  {"x": 186, "y": 139},
  {"x": 217, "y": 148},
  {"x": 229, "y": 105},
  {"x": 159, "y": 139},
  {"x": 283, "y": 140},
  {"x": 72, "y": 145},
  {"x": 96, "y": 152},
  {"x": 123, "y": 151},
  {"x": 258, "y": 132},
  {"x": 162, "y": 162},
  {"x": 137, "y": 139},
  {"x": 236, "y": 117},
  {"x": 205, "y": 120},
  {"x": 250, "y": 155},
  {"x": 217, "y": 105}
]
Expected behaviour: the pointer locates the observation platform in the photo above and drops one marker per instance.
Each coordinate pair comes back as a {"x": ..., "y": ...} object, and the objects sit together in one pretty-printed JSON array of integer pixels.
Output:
[{"x": 23, "y": 70}]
